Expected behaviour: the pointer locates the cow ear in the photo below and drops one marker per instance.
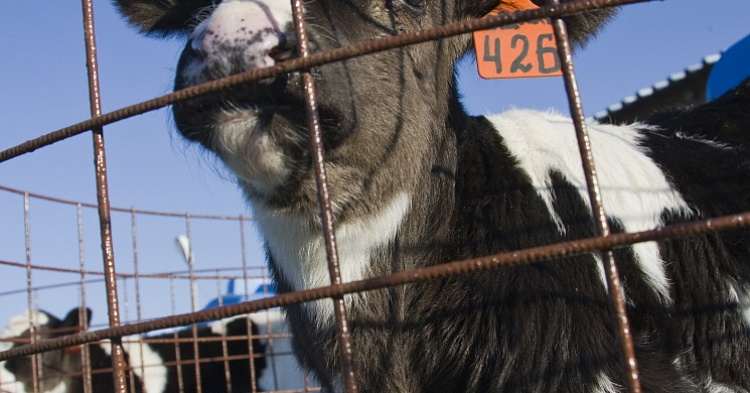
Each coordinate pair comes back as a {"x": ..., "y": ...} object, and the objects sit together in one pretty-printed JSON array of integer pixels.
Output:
[
  {"x": 585, "y": 25},
  {"x": 162, "y": 17},
  {"x": 581, "y": 26},
  {"x": 73, "y": 319}
]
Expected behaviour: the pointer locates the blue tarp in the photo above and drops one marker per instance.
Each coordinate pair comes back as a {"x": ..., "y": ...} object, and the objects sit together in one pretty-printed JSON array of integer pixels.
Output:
[{"x": 730, "y": 70}]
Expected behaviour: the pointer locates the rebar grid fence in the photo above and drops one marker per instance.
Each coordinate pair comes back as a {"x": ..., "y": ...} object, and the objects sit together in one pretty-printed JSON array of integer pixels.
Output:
[
  {"x": 250, "y": 276},
  {"x": 603, "y": 244}
]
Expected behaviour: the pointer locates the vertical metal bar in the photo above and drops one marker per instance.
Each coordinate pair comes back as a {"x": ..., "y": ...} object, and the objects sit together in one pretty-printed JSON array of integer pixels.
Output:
[
  {"x": 125, "y": 301},
  {"x": 224, "y": 348},
  {"x": 35, "y": 369},
  {"x": 136, "y": 275},
  {"x": 616, "y": 292},
  {"x": 175, "y": 335},
  {"x": 105, "y": 220},
  {"x": 83, "y": 316},
  {"x": 248, "y": 322},
  {"x": 316, "y": 146},
  {"x": 193, "y": 305},
  {"x": 271, "y": 346},
  {"x": 190, "y": 263},
  {"x": 251, "y": 355},
  {"x": 243, "y": 249}
]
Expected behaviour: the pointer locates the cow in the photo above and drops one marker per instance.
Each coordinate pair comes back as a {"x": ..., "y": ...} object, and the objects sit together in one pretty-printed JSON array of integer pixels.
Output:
[
  {"x": 415, "y": 181},
  {"x": 152, "y": 361}
]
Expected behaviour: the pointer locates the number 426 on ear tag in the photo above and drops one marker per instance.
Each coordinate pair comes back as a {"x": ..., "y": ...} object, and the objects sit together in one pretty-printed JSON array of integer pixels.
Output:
[{"x": 522, "y": 50}]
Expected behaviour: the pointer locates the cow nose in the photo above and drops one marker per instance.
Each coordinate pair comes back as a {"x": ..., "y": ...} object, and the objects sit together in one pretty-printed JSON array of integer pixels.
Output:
[
  {"x": 242, "y": 35},
  {"x": 286, "y": 48}
]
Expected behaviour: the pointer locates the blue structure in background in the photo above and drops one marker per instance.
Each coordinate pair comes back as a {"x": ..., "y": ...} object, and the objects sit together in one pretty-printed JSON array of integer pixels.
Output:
[
  {"x": 263, "y": 290},
  {"x": 730, "y": 70}
]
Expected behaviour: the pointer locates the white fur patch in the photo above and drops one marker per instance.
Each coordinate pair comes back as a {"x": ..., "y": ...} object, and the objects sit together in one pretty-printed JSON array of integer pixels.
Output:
[
  {"x": 634, "y": 190},
  {"x": 282, "y": 372},
  {"x": 605, "y": 385},
  {"x": 741, "y": 294},
  {"x": 249, "y": 151},
  {"x": 9, "y": 384},
  {"x": 16, "y": 326},
  {"x": 155, "y": 373},
  {"x": 298, "y": 248},
  {"x": 710, "y": 386},
  {"x": 145, "y": 363}
]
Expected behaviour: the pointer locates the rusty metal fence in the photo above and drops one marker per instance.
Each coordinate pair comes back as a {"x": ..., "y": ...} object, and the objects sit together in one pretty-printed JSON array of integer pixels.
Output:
[
  {"x": 116, "y": 330},
  {"x": 136, "y": 287}
]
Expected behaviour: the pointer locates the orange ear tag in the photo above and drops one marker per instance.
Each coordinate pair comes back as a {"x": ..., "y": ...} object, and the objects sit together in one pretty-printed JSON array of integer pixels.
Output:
[{"x": 523, "y": 50}]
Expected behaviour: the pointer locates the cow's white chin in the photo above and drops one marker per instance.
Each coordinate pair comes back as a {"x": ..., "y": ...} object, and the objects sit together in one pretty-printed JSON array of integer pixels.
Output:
[{"x": 249, "y": 150}]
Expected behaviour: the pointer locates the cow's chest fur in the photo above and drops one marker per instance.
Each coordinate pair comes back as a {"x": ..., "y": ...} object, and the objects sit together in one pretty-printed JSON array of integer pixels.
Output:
[{"x": 518, "y": 184}]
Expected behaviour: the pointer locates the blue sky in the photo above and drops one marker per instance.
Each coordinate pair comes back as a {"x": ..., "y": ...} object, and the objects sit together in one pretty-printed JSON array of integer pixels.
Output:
[{"x": 43, "y": 88}]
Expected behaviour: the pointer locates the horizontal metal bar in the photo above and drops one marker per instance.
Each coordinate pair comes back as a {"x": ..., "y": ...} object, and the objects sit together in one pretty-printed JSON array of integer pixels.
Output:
[
  {"x": 512, "y": 258},
  {"x": 314, "y": 60}
]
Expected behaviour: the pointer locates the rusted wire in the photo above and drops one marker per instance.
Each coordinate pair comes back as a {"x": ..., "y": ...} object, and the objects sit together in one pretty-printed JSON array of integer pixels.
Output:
[
  {"x": 35, "y": 369},
  {"x": 124, "y": 300},
  {"x": 513, "y": 258},
  {"x": 346, "y": 352},
  {"x": 315, "y": 59},
  {"x": 250, "y": 347},
  {"x": 604, "y": 244},
  {"x": 206, "y": 360},
  {"x": 175, "y": 337},
  {"x": 137, "y": 281},
  {"x": 614, "y": 284},
  {"x": 82, "y": 316},
  {"x": 225, "y": 350},
  {"x": 193, "y": 301},
  {"x": 122, "y": 209},
  {"x": 102, "y": 194},
  {"x": 119, "y": 275}
]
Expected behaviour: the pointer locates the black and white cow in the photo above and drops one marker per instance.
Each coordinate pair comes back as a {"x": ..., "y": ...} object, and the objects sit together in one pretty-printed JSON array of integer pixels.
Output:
[
  {"x": 415, "y": 181},
  {"x": 152, "y": 364}
]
